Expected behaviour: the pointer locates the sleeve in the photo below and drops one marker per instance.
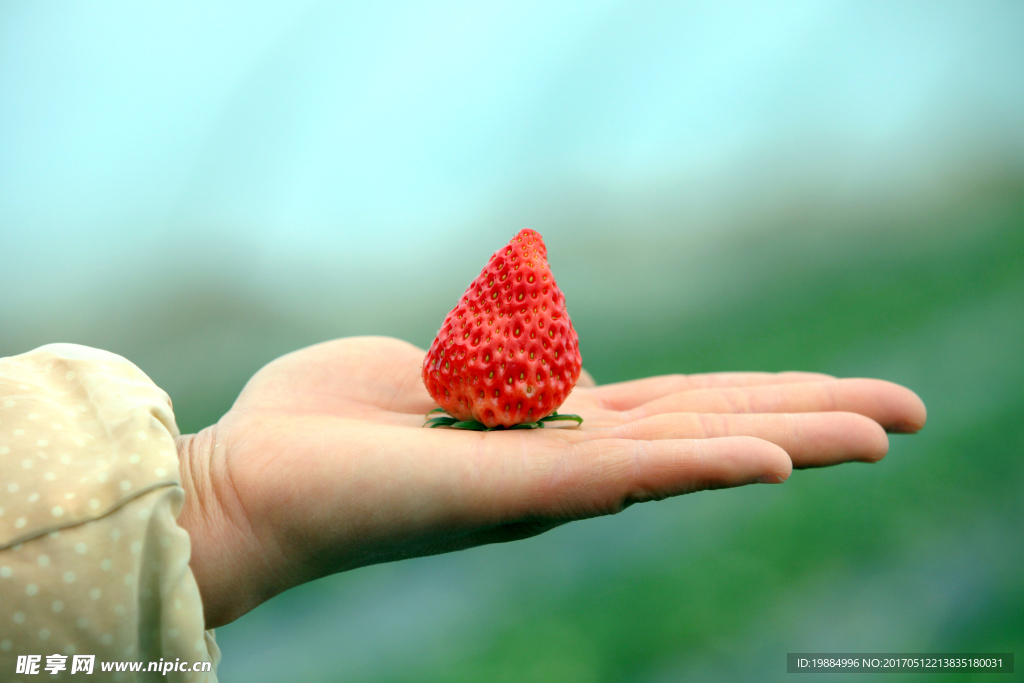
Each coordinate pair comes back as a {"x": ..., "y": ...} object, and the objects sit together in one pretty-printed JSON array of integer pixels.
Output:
[{"x": 92, "y": 560}]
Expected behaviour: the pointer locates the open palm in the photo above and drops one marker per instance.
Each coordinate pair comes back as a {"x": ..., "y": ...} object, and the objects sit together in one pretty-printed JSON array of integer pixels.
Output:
[{"x": 323, "y": 463}]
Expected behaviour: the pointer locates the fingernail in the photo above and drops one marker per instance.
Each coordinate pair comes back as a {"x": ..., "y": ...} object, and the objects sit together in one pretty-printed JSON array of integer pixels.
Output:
[{"x": 770, "y": 479}]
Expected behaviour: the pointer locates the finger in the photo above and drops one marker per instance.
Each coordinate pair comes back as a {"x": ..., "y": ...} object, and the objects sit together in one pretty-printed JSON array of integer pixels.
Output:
[
  {"x": 628, "y": 395},
  {"x": 586, "y": 379},
  {"x": 604, "y": 476},
  {"x": 896, "y": 408},
  {"x": 810, "y": 439}
]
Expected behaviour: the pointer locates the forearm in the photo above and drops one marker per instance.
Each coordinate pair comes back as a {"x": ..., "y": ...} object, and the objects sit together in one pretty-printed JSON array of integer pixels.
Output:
[{"x": 91, "y": 555}]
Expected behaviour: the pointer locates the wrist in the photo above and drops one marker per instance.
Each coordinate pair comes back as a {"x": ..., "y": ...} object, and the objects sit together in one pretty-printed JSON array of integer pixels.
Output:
[{"x": 231, "y": 567}]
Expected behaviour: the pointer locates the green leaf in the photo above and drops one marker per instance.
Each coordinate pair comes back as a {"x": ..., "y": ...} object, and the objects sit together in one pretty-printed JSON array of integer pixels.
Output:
[
  {"x": 469, "y": 424},
  {"x": 568, "y": 416},
  {"x": 446, "y": 420}
]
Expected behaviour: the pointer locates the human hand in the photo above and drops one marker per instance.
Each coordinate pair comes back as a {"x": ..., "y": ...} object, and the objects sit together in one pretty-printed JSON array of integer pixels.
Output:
[{"x": 323, "y": 464}]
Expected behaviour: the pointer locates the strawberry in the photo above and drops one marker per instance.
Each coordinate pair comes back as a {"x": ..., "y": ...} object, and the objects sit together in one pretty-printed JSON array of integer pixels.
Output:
[{"x": 507, "y": 354}]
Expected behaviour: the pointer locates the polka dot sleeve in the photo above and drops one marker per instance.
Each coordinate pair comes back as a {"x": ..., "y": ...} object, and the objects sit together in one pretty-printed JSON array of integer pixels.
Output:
[{"x": 92, "y": 560}]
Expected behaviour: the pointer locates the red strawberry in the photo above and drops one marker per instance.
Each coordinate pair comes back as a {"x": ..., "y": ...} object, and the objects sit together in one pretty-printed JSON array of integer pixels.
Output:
[{"x": 507, "y": 354}]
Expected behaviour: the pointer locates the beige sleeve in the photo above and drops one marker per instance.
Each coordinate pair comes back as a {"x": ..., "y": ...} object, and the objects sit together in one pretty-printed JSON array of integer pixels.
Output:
[{"x": 92, "y": 561}]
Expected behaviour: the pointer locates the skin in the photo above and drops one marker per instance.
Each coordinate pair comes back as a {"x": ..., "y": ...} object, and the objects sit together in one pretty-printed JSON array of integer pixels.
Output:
[{"x": 322, "y": 465}]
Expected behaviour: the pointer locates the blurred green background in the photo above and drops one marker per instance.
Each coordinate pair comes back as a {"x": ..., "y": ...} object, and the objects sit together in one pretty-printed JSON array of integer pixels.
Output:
[{"x": 823, "y": 186}]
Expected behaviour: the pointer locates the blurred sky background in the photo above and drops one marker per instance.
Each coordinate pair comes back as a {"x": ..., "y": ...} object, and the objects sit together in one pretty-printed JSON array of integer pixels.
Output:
[{"x": 831, "y": 186}]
